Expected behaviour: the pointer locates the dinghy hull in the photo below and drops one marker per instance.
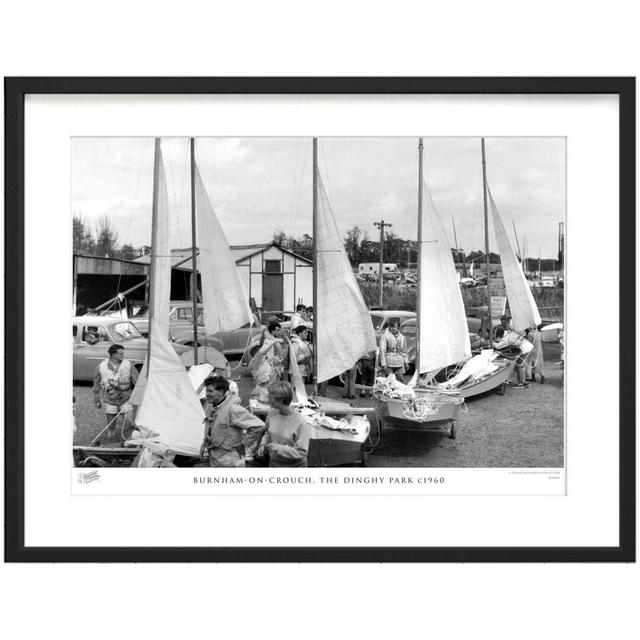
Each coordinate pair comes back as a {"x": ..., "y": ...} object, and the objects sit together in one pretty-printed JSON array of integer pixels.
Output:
[
  {"x": 400, "y": 415},
  {"x": 493, "y": 382}
]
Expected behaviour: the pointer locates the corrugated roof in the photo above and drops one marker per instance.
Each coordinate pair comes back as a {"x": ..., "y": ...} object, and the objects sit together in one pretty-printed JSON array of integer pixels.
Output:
[{"x": 240, "y": 252}]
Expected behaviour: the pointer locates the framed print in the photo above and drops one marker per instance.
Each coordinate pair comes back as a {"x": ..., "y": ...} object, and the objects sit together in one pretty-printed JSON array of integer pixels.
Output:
[{"x": 320, "y": 319}]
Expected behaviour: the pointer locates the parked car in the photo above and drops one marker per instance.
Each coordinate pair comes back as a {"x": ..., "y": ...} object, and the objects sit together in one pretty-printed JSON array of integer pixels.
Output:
[
  {"x": 180, "y": 320},
  {"x": 92, "y": 336},
  {"x": 231, "y": 343}
]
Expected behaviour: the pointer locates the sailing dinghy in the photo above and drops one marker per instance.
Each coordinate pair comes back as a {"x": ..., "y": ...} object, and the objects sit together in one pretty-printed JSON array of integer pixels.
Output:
[
  {"x": 489, "y": 370},
  {"x": 343, "y": 334},
  {"x": 442, "y": 337}
]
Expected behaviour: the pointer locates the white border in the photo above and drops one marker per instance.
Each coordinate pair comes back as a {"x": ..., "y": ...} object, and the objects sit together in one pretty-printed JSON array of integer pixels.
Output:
[{"x": 587, "y": 516}]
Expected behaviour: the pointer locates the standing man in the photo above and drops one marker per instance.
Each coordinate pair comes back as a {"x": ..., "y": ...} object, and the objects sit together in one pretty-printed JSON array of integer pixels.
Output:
[
  {"x": 296, "y": 318},
  {"x": 115, "y": 379},
  {"x": 505, "y": 323},
  {"x": 229, "y": 428},
  {"x": 393, "y": 350},
  {"x": 511, "y": 340},
  {"x": 536, "y": 357}
]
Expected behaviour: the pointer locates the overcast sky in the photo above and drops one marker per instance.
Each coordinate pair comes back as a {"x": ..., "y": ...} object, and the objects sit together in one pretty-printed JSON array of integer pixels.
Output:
[{"x": 257, "y": 185}]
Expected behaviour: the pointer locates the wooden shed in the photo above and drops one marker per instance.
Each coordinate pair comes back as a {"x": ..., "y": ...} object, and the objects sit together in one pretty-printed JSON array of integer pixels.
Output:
[{"x": 274, "y": 278}]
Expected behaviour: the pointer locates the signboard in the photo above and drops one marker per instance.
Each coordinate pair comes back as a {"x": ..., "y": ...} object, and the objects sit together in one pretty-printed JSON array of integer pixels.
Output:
[{"x": 498, "y": 306}]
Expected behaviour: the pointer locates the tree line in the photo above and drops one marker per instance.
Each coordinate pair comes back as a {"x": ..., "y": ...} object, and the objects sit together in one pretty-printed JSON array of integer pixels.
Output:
[
  {"x": 102, "y": 241},
  {"x": 360, "y": 248}
]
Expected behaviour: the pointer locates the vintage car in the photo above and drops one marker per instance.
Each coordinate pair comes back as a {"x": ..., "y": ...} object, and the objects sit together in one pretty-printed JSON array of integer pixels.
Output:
[
  {"x": 231, "y": 343},
  {"x": 92, "y": 336}
]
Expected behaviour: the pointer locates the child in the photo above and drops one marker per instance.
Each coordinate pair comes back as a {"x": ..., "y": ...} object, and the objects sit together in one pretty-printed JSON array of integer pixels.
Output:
[{"x": 287, "y": 434}]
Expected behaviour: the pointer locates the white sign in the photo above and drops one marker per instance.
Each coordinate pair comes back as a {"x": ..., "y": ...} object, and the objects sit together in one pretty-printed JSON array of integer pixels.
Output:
[{"x": 498, "y": 306}]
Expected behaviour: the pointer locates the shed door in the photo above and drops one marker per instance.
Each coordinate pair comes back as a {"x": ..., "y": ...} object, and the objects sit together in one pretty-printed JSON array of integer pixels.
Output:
[{"x": 272, "y": 290}]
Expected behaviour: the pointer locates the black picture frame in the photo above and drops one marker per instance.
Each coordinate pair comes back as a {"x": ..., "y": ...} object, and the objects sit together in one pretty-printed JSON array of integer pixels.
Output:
[{"x": 15, "y": 91}]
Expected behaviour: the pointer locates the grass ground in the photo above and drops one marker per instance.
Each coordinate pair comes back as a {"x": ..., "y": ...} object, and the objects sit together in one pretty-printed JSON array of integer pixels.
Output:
[{"x": 523, "y": 428}]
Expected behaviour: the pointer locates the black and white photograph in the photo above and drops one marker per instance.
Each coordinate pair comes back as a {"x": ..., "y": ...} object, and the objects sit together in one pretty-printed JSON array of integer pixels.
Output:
[
  {"x": 348, "y": 309},
  {"x": 247, "y": 302}
]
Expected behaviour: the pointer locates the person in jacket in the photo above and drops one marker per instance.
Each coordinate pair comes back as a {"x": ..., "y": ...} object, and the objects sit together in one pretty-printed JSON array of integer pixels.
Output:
[
  {"x": 114, "y": 381},
  {"x": 287, "y": 435},
  {"x": 230, "y": 430},
  {"x": 505, "y": 323},
  {"x": 268, "y": 362},
  {"x": 393, "y": 350},
  {"x": 301, "y": 350},
  {"x": 297, "y": 318},
  {"x": 536, "y": 357},
  {"x": 508, "y": 341}
]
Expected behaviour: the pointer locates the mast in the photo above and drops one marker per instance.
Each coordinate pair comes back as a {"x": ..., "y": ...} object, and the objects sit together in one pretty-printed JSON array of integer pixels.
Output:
[
  {"x": 154, "y": 244},
  {"x": 315, "y": 266},
  {"x": 455, "y": 239},
  {"x": 539, "y": 264},
  {"x": 420, "y": 169},
  {"x": 486, "y": 240},
  {"x": 194, "y": 268}
]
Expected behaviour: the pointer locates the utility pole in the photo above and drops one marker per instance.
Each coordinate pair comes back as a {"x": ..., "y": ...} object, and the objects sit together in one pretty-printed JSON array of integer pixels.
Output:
[
  {"x": 561, "y": 244},
  {"x": 381, "y": 225}
]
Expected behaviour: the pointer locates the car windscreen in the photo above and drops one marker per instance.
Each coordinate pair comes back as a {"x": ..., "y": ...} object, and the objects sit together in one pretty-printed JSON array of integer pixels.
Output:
[
  {"x": 408, "y": 328},
  {"x": 123, "y": 331},
  {"x": 377, "y": 321}
]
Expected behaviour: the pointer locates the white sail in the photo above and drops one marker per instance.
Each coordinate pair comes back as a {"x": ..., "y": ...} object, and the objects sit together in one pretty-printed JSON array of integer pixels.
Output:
[
  {"x": 168, "y": 403},
  {"x": 226, "y": 305},
  {"x": 444, "y": 336},
  {"x": 344, "y": 329},
  {"x": 523, "y": 308}
]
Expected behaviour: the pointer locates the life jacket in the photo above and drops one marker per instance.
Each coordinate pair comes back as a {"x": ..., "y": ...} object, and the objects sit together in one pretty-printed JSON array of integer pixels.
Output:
[
  {"x": 121, "y": 378},
  {"x": 302, "y": 347}
]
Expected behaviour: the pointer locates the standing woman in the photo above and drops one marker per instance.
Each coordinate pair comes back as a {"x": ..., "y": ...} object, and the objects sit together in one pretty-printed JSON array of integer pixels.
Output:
[
  {"x": 393, "y": 350},
  {"x": 287, "y": 434}
]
